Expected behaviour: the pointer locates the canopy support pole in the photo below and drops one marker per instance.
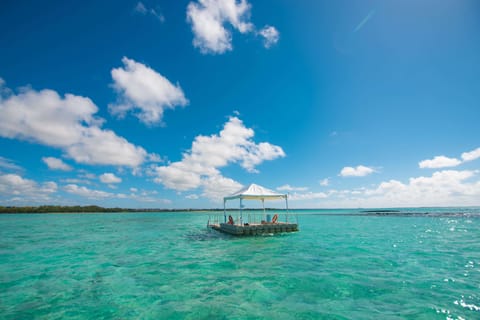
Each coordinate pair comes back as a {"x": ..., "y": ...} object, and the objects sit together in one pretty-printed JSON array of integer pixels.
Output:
[
  {"x": 263, "y": 205},
  {"x": 224, "y": 211},
  {"x": 241, "y": 212},
  {"x": 286, "y": 205}
]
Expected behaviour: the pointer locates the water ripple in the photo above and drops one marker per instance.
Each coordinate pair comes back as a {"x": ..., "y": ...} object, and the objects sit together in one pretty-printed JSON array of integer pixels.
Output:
[{"x": 168, "y": 266}]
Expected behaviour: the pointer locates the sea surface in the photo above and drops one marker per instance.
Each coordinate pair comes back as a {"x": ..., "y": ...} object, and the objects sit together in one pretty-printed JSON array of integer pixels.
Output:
[{"x": 343, "y": 264}]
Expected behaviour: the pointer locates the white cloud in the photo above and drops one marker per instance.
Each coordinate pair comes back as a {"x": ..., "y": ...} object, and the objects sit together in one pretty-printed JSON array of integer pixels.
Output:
[
  {"x": 359, "y": 171},
  {"x": 192, "y": 196},
  {"x": 110, "y": 178},
  {"x": 15, "y": 185},
  {"x": 16, "y": 189},
  {"x": 142, "y": 9},
  {"x": 105, "y": 147},
  {"x": 150, "y": 196},
  {"x": 76, "y": 181},
  {"x": 270, "y": 35},
  {"x": 4, "y": 90},
  {"x": 444, "y": 162},
  {"x": 153, "y": 157},
  {"x": 100, "y": 195},
  {"x": 56, "y": 164},
  {"x": 68, "y": 123},
  {"x": 144, "y": 91},
  {"x": 179, "y": 176},
  {"x": 86, "y": 175},
  {"x": 439, "y": 162},
  {"x": 324, "y": 182},
  {"x": 216, "y": 187},
  {"x": 448, "y": 187},
  {"x": 442, "y": 188},
  {"x": 148, "y": 199},
  {"x": 133, "y": 190},
  {"x": 308, "y": 196},
  {"x": 210, "y": 17},
  {"x": 287, "y": 187},
  {"x": 8, "y": 164},
  {"x": 87, "y": 193},
  {"x": 472, "y": 155},
  {"x": 199, "y": 165}
]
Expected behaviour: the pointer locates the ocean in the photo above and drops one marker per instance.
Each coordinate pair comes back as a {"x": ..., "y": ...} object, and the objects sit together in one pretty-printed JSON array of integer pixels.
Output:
[{"x": 343, "y": 264}]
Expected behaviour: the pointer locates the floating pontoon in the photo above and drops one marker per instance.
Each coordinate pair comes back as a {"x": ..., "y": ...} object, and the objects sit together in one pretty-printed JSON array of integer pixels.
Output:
[{"x": 258, "y": 222}]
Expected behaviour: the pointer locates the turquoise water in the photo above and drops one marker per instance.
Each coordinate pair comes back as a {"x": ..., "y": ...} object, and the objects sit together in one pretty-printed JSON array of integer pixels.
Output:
[{"x": 168, "y": 266}]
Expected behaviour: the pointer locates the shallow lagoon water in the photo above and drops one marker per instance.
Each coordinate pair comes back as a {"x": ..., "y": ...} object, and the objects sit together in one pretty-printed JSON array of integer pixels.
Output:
[{"x": 168, "y": 266}]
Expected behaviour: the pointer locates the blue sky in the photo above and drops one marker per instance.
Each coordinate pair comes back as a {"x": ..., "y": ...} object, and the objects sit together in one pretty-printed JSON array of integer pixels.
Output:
[{"x": 174, "y": 104}]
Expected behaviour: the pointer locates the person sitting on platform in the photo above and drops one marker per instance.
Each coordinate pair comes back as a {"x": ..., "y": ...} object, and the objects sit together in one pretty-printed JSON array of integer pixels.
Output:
[{"x": 274, "y": 220}]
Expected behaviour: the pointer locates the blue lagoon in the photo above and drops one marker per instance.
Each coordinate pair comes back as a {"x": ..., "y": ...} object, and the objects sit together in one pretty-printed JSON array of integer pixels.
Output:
[{"x": 342, "y": 265}]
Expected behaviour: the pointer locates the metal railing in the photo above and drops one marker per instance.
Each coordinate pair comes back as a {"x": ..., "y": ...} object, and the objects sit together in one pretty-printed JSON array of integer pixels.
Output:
[{"x": 253, "y": 217}]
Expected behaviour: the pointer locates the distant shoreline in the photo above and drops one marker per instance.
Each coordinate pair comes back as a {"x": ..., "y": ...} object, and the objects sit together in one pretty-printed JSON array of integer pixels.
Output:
[
  {"x": 98, "y": 209},
  {"x": 386, "y": 212}
]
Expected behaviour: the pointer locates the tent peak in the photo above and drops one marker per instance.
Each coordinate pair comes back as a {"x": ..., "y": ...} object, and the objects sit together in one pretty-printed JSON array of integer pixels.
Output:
[{"x": 255, "y": 191}]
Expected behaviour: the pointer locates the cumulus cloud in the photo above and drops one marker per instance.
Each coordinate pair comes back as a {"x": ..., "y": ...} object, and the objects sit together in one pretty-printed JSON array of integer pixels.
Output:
[
  {"x": 56, "y": 164},
  {"x": 445, "y": 162},
  {"x": 270, "y": 36},
  {"x": 178, "y": 176},
  {"x": 17, "y": 186},
  {"x": 442, "y": 188},
  {"x": 210, "y": 18},
  {"x": 3, "y": 89},
  {"x": 287, "y": 187},
  {"x": 144, "y": 91},
  {"x": 216, "y": 187},
  {"x": 200, "y": 165},
  {"x": 472, "y": 155},
  {"x": 82, "y": 191},
  {"x": 68, "y": 123},
  {"x": 110, "y": 178},
  {"x": 87, "y": 192},
  {"x": 447, "y": 187},
  {"x": 359, "y": 171},
  {"x": 439, "y": 162},
  {"x": 17, "y": 189}
]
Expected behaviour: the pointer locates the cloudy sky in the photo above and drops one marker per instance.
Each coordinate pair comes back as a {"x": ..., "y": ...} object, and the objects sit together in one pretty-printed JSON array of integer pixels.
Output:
[{"x": 175, "y": 104}]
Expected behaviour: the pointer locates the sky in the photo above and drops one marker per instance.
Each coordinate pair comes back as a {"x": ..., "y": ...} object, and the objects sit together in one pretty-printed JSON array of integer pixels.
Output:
[{"x": 176, "y": 104}]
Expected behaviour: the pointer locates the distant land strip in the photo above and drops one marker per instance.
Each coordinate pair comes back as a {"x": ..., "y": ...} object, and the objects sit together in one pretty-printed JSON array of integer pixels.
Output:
[
  {"x": 98, "y": 209},
  {"x": 83, "y": 209}
]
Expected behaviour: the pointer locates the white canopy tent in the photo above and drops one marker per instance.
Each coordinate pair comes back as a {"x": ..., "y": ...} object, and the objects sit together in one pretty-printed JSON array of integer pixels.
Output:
[{"x": 254, "y": 192}]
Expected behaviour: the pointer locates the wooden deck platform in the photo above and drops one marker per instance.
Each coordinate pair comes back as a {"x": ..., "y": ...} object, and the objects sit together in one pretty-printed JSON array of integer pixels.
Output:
[{"x": 255, "y": 229}]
